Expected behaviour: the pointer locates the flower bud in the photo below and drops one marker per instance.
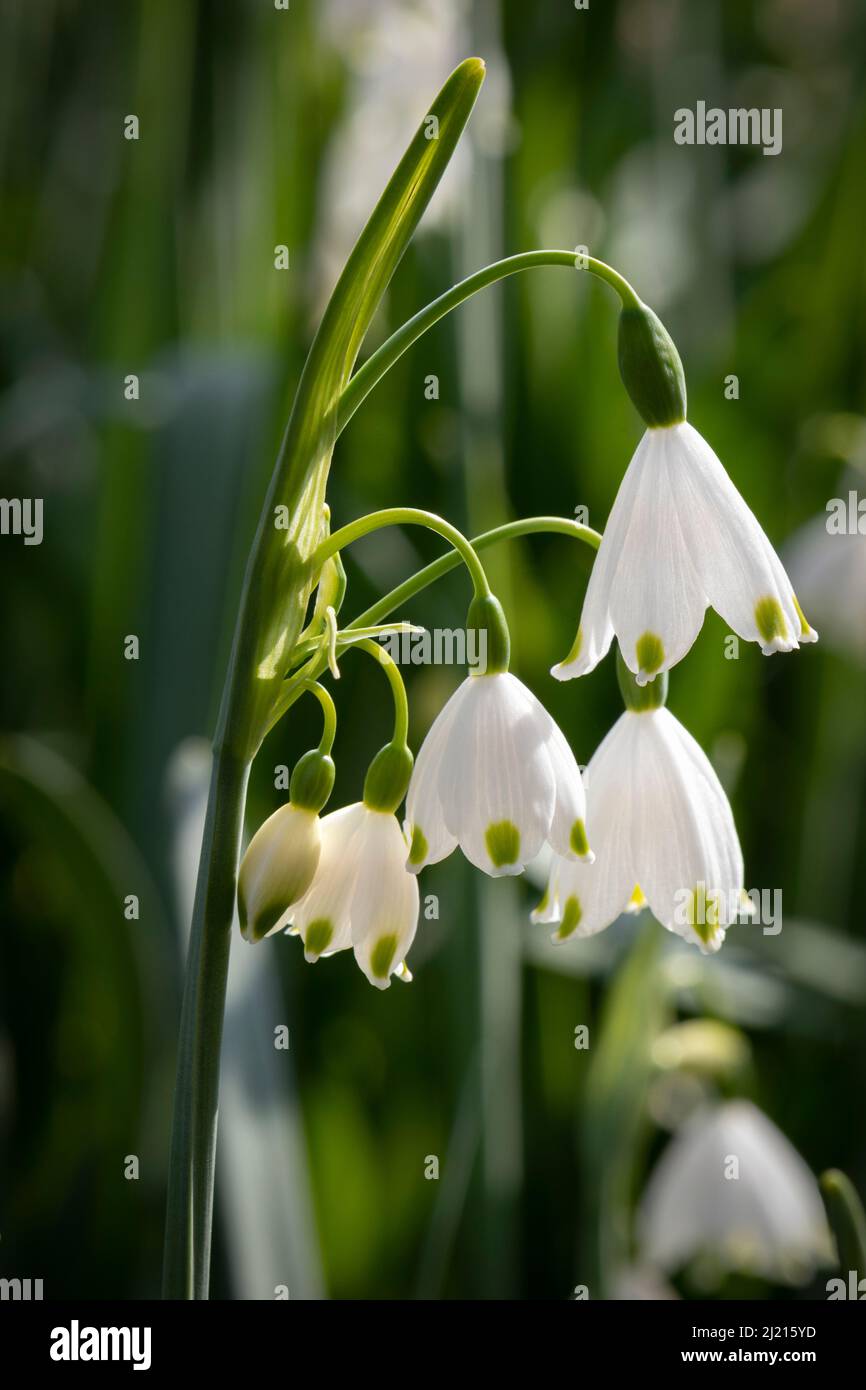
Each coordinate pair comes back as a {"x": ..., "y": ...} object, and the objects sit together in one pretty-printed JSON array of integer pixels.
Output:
[
  {"x": 277, "y": 869},
  {"x": 650, "y": 367}
]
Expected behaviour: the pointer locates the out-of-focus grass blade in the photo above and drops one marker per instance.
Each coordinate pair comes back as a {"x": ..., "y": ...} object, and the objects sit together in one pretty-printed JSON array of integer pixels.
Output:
[
  {"x": 848, "y": 1221},
  {"x": 113, "y": 977},
  {"x": 636, "y": 1010}
]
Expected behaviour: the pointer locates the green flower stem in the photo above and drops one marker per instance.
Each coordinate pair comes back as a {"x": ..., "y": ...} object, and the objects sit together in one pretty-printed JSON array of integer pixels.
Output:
[
  {"x": 398, "y": 689},
  {"x": 329, "y": 711},
  {"x": 512, "y": 530},
  {"x": 528, "y": 526},
  {"x": 407, "y": 516},
  {"x": 379, "y": 362}
]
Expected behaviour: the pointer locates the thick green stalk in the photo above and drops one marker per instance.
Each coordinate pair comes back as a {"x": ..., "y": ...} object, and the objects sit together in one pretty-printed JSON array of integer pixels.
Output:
[
  {"x": 190, "y": 1193},
  {"x": 278, "y": 582}
]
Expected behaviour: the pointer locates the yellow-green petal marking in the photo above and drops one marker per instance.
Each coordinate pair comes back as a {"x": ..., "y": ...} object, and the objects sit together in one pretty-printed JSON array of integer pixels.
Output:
[
  {"x": 649, "y": 652},
  {"x": 571, "y": 915},
  {"x": 770, "y": 620},
  {"x": 503, "y": 843},
  {"x": 382, "y": 956},
  {"x": 318, "y": 936},
  {"x": 419, "y": 848}
]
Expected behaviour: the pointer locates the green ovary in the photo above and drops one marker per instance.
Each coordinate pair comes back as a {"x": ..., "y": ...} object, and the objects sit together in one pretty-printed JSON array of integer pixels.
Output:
[
  {"x": 503, "y": 843},
  {"x": 770, "y": 619},
  {"x": 318, "y": 936},
  {"x": 650, "y": 653},
  {"x": 571, "y": 915},
  {"x": 419, "y": 848},
  {"x": 382, "y": 956}
]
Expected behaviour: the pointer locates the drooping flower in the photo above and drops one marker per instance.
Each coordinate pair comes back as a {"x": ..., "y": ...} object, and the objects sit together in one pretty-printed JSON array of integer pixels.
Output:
[
  {"x": 679, "y": 539},
  {"x": 361, "y": 896},
  {"x": 277, "y": 868},
  {"x": 496, "y": 776},
  {"x": 730, "y": 1185},
  {"x": 663, "y": 833}
]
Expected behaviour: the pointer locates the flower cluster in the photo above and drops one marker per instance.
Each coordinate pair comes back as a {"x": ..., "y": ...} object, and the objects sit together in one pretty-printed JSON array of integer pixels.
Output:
[{"x": 651, "y": 825}]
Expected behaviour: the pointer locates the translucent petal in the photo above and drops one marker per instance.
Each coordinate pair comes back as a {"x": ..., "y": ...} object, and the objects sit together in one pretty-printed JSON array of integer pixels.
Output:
[
  {"x": 425, "y": 827},
  {"x": 277, "y": 869},
  {"x": 322, "y": 917},
  {"x": 657, "y": 600},
  {"x": 567, "y": 834},
  {"x": 595, "y": 632},
  {"x": 496, "y": 782},
  {"x": 687, "y": 854},
  {"x": 586, "y": 897},
  {"x": 384, "y": 907},
  {"x": 741, "y": 574}
]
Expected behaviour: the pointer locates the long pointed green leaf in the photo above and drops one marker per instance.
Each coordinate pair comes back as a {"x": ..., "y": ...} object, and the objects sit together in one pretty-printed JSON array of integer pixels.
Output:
[{"x": 279, "y": 581}]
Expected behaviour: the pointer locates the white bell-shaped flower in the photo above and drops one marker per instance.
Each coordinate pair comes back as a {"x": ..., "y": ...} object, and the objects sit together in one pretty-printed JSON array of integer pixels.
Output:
[
  {"x": 680, "y": 538},
  {"x": 277, "y": 869},
  {"x": 496, "y": 776},
  {"x": 663, "y": 833},
  {"x": 362, "y": 895},
  {"x": 731, "y": 1186}
]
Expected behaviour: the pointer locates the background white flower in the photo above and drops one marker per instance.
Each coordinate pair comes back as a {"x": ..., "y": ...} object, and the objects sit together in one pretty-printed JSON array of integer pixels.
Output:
[
  {"x": 731, "y": 1185},
  {"x": 496, "y": 776},
  {"x": 680, "y": 538},
  {"x": 830, "y": 570},
  {"x": 663, "y": 833}
]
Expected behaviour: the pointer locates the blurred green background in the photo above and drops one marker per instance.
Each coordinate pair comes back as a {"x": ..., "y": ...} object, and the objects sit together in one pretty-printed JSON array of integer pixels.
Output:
[{"x": 155, "y": 257}]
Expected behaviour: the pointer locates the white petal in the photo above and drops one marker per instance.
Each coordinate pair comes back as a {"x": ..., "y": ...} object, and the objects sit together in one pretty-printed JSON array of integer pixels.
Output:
[
  {"x": 567, "y": 835},
  {"x": 496, "y": 782},
  {"x": 731, "y": 1184},
  {"x": 687, "y": 853},
  {"x": 657, "y": 600},
  {"x": 586, "y": 898},
  {"x": 595, "y": 632},
  {"x": 742, "y": 575},
  {"x": 277, "y": 869},
  {"x": 425, "y": 826},
  {"x": 322, "y": 917},
  {"x": 384, "y": 908}
]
